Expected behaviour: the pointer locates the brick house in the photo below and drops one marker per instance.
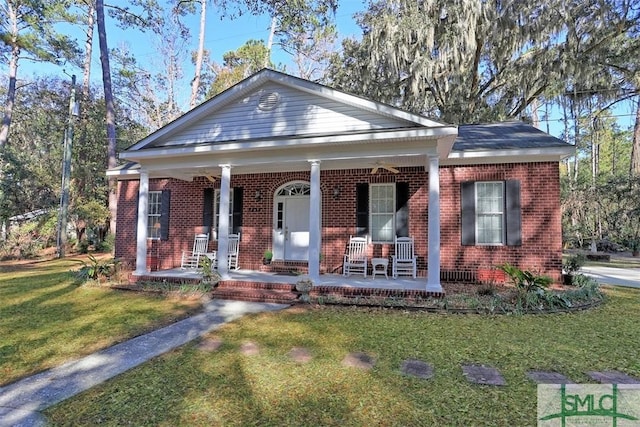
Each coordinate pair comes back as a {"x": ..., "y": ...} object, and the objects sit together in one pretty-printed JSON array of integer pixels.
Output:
[{"x": 298, "y": 168}]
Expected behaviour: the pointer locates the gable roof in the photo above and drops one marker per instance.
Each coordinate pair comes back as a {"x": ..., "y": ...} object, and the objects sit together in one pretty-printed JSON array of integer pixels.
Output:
[{"x": 227, "y": 117}]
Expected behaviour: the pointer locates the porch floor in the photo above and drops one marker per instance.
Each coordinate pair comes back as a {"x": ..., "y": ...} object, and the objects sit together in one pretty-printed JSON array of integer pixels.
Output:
[{"x": 333, "y": 280}]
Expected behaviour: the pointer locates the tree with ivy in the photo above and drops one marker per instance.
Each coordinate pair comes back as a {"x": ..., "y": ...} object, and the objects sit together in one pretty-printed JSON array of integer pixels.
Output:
[{"x": 468, "y": 61}]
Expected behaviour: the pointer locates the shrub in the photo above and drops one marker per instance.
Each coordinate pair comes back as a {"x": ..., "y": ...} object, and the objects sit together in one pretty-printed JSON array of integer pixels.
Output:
[
  {"x": 573, "y": 264},
  {"x": 107, "y": 244},
  {"x": 96, "y": 269},
  {"x": 525, "y": 281},
  {"x": 24, "y": 241},
  {"x": 486, "y": 290}
]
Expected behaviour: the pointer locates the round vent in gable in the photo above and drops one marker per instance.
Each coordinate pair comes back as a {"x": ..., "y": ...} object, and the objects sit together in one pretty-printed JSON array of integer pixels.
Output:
[{"x": 268, "y": 101}]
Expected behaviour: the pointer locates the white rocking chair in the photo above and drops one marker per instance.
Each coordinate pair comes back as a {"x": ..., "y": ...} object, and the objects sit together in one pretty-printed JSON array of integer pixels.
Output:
[
  {"x": 355, "y": 260},
  {"x": 404, "y": 260},
  {"x": 191, "y": 259},
  {"x": 234, "y": 247}
]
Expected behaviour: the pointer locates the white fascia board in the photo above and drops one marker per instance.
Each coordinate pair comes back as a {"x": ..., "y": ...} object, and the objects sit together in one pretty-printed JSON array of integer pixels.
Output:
[
  {"x": 508, "y": 156},
  {"x": 237, "y": 146},
  {"x": 121, "y": 173}
]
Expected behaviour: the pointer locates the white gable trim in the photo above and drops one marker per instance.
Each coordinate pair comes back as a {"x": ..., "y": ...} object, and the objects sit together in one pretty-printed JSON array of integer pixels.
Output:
[{"x": 254, "y": 82}]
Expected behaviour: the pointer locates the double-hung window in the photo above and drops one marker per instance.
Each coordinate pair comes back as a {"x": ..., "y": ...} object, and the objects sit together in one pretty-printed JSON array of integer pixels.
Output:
[
  {"x": 489, "y": 213},
  {"x": 382, "y": 212},
  {"x": 154, "y": 213},
  {"x": 216, "y": 219}
]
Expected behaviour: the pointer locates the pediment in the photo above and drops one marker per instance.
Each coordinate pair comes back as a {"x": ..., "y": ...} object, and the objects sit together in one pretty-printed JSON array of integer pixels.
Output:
[{"x": 272, "y": 105}]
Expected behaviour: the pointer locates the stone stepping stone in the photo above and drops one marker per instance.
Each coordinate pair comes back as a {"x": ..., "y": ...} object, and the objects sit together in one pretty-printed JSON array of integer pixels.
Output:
[
  {"x": 548, "y": 377},
  {"x": 300, "y": 355},
  {"x": 210, "y": 344},
  {"x": 249, "y": 349},
  {"x": 359, "y": 360},
  {"x": 417, "y": 368},
  {"x": 613, "y": 377},
  {"x": 482, "y": 374}
]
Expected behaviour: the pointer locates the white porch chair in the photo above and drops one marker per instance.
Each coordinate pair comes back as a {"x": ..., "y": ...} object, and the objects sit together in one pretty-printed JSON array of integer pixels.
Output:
[
  {"x": 404, "y": 259},
  {"x": 355, "y": 260},
  {"x": 191, "y": 259},
  {"x": 234, "y": 247}
]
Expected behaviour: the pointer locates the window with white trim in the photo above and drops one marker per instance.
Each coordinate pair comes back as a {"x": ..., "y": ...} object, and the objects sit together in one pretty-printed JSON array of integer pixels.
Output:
[
  {"x": 154, "y": 213},
  {"x": 490, "y": 215},
  {"x": 216, "y": 211},
  {"x": 382, "y": 203}
]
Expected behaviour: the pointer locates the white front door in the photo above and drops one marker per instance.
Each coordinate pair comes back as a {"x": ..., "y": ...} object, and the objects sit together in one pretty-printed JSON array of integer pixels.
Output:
[
  {"x": 291, "y": 223},
  {"x": 296, "y": 229}
]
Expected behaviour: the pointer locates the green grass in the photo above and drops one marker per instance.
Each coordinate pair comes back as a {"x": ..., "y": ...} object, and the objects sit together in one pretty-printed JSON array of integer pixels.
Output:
[
  {"x": 190, "y": 387},
  {"x": 46, "y": 318}
]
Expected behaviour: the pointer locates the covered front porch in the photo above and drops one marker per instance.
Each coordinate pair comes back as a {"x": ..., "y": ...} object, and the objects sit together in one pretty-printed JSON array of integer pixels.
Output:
[
  {"x": 251, "y": 285},
  {"x": 253, "y": 276}
]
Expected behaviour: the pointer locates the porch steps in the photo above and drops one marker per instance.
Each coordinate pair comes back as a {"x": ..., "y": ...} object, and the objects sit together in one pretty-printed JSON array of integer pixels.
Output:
[{"x": 256, "y": 292}]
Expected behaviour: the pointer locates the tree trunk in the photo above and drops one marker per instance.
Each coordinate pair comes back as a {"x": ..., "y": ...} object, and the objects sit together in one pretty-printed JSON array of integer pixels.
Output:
[
  {"x": 13, "y": 72},
  {"x": 272, "y": 31},
  {"x": 110, "y": 111},
  {"x": 86, "y": 69},
  {"x": 81, "y": 184},
  {"x": 635, "y": 149},
  {"x": 195, "y": 84}
]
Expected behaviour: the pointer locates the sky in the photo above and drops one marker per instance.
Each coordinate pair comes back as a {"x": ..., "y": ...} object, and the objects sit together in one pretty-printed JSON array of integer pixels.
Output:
[{"x": 222, "y": 35}]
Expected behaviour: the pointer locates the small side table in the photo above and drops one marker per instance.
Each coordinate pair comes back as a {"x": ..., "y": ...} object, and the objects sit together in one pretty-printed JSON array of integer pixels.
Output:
[
  {"x": 379, "y": 266},
  {"x": 213, "y": 257}
]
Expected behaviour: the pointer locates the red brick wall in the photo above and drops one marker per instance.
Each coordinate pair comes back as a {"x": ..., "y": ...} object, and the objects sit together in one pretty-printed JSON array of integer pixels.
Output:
[
  {"x": 541, "y": 233},
  {"x": 541, "y": 248}
]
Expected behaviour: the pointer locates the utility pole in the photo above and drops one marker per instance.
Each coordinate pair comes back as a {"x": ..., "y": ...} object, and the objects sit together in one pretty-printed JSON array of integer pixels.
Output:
[{"x": 66, "y": 172}]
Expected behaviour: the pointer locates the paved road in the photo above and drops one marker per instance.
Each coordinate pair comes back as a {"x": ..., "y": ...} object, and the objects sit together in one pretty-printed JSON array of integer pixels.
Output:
[
  {"x": 614, "y": 276},
  {"x": 22, "y": 401}
]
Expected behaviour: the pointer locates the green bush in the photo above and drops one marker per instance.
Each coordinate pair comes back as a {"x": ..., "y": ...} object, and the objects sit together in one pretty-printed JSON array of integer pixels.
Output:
[
  {"x": 96, "y": 269},
  {"x": 525, "y": 281},
  {"x": 573, "y": 264},
  {"x": 24, "y": 241},
  {"x": 107, "y": 244}
]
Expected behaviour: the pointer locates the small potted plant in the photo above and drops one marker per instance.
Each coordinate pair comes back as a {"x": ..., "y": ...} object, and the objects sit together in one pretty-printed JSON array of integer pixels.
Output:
[
  {"x": 209, "y": 276},
  {"x": 570, "y": 268},
  {"x": 304, "y": 286},
  {"x": 268, "y": 256}
]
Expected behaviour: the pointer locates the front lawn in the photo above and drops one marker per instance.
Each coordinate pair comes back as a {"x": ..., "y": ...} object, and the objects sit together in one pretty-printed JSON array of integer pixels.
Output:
[
  {"x": 190, "y": 386},
  {"x": 46, "y": 318}
]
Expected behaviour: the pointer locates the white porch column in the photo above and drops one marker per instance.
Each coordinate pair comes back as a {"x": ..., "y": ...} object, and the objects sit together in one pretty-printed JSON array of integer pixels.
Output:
[
  {"x": 143, "y": 219},
  {"x": 433, "y": 261},
  {"x": 223, "y": 222},
  {"x": 314, "y": 222}
]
